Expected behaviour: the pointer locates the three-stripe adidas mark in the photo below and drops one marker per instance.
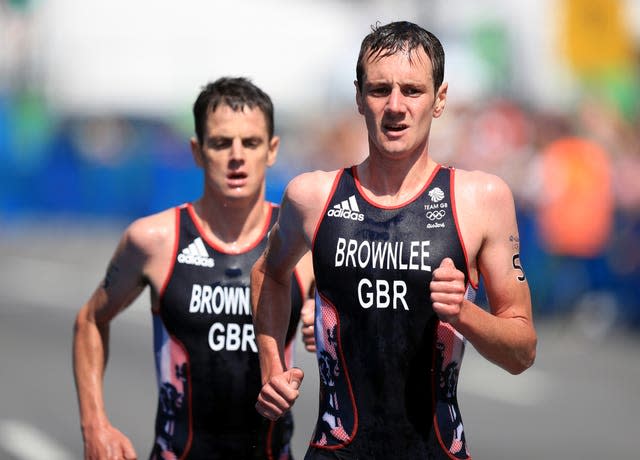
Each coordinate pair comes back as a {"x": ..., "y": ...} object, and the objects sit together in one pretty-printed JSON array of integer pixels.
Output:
[
  {"x": 347, "y": 209},
  {"x": 196, "y": 254}
]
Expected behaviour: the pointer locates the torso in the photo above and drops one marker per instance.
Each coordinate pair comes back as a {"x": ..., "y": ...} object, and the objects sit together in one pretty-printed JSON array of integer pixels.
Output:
[
  {"x": 206, "y": 356},
  {"x": 384, "y": 357}
]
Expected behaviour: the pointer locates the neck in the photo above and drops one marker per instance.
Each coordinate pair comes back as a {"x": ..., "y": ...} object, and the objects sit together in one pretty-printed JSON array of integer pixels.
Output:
[
  {"x": 390, "y": 181},
  {"x": 232, "y": 224}
]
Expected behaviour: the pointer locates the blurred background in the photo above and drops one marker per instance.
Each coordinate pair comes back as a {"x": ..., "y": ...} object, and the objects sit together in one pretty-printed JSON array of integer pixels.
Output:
[{"x": 95, "y": 119}]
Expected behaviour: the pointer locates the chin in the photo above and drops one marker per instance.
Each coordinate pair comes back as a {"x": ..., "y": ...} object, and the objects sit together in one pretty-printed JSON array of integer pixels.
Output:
[
  {"x": 394, "y": 147},
  {"x": 237, "y": 194}
]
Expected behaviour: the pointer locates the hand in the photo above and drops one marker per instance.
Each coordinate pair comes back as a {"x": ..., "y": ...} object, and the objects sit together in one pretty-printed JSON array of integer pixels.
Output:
[
  {"x": 447, "y": 291},
  {"x": 307, "y": 316},
  {"x": 107, "y": 443},
  {"x": 279, "y": 393}
]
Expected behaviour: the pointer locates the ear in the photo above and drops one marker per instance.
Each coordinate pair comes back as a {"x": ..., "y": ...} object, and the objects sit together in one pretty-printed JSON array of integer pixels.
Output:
[
  {"x": 441, "y": 100},
  {"x": 272, "y": 154},
  {"x": 359, "y": 101},
  {"x": 196, "y": 152}
]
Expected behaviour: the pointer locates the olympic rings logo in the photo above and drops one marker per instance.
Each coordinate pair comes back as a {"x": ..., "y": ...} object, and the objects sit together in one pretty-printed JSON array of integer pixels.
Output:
[{"x": 435, "y": 215}]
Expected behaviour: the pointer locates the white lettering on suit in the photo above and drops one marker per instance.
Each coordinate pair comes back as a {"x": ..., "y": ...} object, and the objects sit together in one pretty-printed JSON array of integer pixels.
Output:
[
  {"x": 385, "y": 255},
  {"x": 228, "y": 300}
]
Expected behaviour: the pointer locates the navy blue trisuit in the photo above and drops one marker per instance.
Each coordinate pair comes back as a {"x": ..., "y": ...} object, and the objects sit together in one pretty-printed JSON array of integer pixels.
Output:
[
  {"x": 206, "y": 356},
  {"x": 388, "y": 367}
]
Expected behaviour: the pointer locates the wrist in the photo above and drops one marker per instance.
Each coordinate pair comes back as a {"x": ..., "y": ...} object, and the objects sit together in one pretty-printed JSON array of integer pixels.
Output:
[{"x": 95, "y": 424}]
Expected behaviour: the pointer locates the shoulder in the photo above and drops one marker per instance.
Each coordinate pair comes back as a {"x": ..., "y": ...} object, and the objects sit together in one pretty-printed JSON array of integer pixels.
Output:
[
  {"x": 303, "y": 202},
  {"x": 151, "y": 233},
  {"x": 481, "y": 189},
  {"x": 308, "y": 187},
  {"x": 312, "y": 183}
]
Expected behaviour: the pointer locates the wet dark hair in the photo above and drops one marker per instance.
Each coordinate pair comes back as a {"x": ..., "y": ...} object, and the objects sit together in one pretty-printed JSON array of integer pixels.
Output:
[
  {"x": 235, "y": 92},
  {"x": 396, "y": 37}
]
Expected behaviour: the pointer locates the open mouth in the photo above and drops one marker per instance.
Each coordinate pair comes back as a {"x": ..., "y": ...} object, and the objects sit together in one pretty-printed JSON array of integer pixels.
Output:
[
  {"x": 395, "y": 127},
  {"x": 236, "y": 175},
  {"x": 236, "y": 179}
]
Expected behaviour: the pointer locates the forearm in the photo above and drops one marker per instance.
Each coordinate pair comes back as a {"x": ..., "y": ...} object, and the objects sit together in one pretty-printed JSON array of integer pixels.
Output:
[
  {"x": 271, "y": 304},
  {"x": 507, "y": 341},
  {"x": 90, "y": 351}
]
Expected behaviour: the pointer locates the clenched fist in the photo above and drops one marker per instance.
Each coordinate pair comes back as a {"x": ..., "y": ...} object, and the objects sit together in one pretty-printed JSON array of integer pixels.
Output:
[
  {"x": 447, "y": 291},
  {"x": 279, "y": 393}
]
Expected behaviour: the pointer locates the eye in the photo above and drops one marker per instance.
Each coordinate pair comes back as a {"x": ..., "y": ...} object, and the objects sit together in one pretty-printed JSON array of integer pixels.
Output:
[
  {"x": 379, "y": 91},
  {"x": 219, "y": 143},
  {"x": 252, "y": 142},
  {"x": 411, "y": 91}
]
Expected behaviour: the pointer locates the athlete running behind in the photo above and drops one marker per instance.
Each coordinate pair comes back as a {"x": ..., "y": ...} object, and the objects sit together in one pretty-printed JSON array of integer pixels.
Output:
[{"x": 196, "y": 260}]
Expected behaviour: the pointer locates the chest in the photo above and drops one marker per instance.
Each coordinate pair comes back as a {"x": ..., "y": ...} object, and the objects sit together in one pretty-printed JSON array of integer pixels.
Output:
[{"x": 369, "y": 255}]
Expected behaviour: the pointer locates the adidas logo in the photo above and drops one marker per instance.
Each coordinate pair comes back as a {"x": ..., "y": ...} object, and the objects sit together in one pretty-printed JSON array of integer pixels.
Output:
[
  {"x": 196, "y": 254},
  {"x": 347, "y": 209}
]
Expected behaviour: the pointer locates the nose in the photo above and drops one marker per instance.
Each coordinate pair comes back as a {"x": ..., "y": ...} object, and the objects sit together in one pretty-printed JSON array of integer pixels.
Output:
[
  {"x": 395, "y": 101},
  {"x": 237, "y": 150}
]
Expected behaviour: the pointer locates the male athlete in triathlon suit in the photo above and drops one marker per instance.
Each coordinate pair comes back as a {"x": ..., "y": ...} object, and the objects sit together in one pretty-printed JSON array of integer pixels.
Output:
[
  {"x": 409, "y": 373},
  {"x": 196, "y": 260},
  {"x": 206, "y": 355},
  {"x": 399, "y": 244}
]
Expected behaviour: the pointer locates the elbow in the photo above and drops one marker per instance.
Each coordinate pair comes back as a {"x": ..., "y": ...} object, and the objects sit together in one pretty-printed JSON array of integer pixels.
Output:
[
  {"x": 86, "y": 321},
  {"x": 525, "y": 358},
  {"x": 522, "y": 364},
  {"x": 80, "y": 321}
]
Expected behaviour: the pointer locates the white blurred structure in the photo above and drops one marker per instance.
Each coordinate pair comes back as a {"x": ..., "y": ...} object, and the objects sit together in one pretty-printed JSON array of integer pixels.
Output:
[{"x": 152, "y": 56}]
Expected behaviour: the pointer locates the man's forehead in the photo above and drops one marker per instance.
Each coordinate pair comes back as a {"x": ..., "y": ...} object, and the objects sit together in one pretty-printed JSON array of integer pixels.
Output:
[
  {"x": 237, "y": 111},
  {"x": 224, "y": 106},
  {"x": 377, "y": 65},
  {"x": 225, "y": 117},
  {"x": 414, "y": 55}
]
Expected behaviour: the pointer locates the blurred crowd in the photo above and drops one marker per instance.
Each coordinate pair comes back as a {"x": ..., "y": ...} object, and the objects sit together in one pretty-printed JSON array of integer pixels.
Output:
[{"x": 574, "y": 178}]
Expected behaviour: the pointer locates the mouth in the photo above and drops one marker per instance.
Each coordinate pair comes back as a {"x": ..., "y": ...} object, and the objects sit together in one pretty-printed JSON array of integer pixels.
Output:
[
  {"x": 394, "y": 127},
  {"x": 236, "y": 179}
]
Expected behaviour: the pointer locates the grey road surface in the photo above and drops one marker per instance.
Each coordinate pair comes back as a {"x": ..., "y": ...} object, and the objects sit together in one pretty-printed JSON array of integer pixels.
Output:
[{"x": 581, "y": 400}]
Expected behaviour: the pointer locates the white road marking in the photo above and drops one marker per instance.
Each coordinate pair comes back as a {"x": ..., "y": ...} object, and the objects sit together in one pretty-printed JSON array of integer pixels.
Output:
[{"x": 26, "y": 442}]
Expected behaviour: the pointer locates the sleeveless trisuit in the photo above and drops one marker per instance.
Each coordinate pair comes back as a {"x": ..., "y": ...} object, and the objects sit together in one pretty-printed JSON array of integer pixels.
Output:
[
  {"x": 388, "y": 367},
  {"x": 206, "y": 355}
]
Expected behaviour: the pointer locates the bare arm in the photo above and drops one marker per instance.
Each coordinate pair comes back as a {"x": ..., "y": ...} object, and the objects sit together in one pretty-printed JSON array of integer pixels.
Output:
[
  {"x": 123, "y": 282},
  {"x": 289, "y": 240},
  {"x": 505, "y": 335}
]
